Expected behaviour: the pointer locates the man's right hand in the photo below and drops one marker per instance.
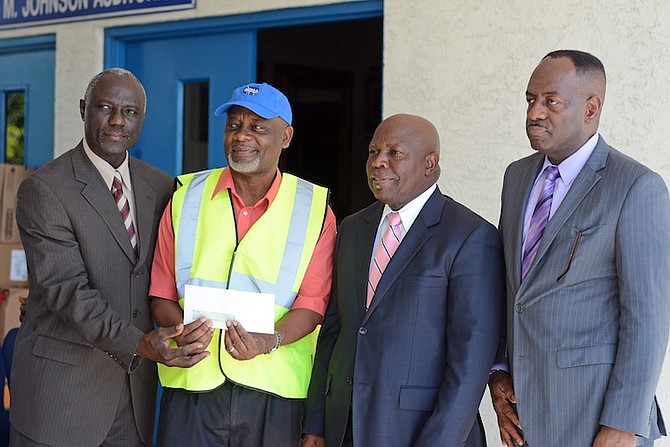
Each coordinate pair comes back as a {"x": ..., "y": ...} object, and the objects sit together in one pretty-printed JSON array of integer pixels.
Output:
[
  {"x": 155, "y": 345},
  {"x": 503, "y": 398},
  {"x": 309, "y": 440}
]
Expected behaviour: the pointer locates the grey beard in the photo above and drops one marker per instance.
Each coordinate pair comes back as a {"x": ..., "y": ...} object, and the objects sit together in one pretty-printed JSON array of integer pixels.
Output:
[{"x": 244, "y": 168}]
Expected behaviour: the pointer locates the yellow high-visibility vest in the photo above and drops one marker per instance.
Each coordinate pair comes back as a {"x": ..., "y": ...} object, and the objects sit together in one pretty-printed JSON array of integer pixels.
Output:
[{"x": 271, "y": 258}]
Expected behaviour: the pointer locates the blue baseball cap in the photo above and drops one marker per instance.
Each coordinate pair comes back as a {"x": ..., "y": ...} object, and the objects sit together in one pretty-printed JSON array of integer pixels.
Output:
[{"x": 262, "y": 99}]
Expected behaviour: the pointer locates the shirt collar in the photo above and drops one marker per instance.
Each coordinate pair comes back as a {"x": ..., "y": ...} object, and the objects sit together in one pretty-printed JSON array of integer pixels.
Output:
[
  {"x": 226, "y": 182},
  {"x": 571, "y": 166},
  {"x": 106, "y": 170},
  {"x": 411, "y": 210}
]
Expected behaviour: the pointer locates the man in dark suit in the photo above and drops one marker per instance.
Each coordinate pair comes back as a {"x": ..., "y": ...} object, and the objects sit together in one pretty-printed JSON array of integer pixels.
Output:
[
  {"x": 411, "y": 369},
  {"x": 79, "y": 377},
  {"x": 588, "y": 313}
]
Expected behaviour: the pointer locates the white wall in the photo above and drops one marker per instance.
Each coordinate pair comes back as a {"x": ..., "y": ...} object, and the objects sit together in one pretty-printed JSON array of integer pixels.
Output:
[{"x": 465, "y": 65}]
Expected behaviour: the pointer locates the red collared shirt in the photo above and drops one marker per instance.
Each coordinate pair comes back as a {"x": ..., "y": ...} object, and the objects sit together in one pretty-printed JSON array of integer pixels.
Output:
[{"x": 314, "y": 291}]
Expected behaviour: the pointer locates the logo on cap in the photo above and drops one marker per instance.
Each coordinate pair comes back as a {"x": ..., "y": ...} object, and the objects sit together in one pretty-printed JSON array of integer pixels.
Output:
[{"x": 249, "y": 90}]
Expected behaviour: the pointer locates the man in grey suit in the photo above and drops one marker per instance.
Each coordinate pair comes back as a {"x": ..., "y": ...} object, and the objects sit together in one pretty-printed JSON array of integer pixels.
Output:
[
  {"x": 588, "y": 292},
  {"x": 404, "y": 361},
  {"x": 79, "y": 377}
]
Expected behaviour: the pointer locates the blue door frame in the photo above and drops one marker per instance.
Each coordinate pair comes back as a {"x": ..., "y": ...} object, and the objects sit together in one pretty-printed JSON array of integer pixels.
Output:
[
  {"x": 219, "y": 50},
  {"x": 28, "y": 65}
]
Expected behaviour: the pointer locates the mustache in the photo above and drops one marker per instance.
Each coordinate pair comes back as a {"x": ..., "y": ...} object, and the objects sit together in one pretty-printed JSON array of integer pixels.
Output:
[
  {"x": 536, "y": 124},
  {"x": 116, "y": 130}
]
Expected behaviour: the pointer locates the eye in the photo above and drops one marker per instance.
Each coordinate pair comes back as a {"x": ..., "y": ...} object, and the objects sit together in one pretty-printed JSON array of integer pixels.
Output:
[
  {"x": 552, "y": 102},
  {"x": 231, "y": 126},
  {"x": 530, "y": 100},
  {"x": 259, "y": 128},
  {"x": 373, "y": 151},
  {"x": 131, "y": 112}
]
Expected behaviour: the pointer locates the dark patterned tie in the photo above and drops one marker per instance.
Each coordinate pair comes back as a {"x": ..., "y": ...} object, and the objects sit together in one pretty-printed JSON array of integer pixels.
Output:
[
  {"x": 124, "y": 209},
  {"x": 539, "y": 220}
]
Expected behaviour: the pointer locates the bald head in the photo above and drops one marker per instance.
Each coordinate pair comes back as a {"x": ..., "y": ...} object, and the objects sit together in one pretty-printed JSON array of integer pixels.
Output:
[{"x": 403, "y": 159}]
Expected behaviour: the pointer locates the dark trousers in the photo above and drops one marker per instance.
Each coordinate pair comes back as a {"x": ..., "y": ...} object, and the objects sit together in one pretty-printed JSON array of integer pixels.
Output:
[{"x": 230, "y": 416}]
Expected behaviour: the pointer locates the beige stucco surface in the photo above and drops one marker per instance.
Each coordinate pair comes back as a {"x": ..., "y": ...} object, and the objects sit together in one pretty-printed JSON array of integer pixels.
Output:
[{"x": 464, "y": 65}]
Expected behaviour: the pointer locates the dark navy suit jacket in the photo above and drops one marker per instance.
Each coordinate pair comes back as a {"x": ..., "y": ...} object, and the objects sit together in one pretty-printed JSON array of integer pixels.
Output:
[{"x": 414, "y": 366}]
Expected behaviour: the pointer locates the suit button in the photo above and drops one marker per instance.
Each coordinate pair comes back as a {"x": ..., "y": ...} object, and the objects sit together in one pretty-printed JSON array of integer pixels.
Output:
[
  {"x": 350, "y": 381},
  {"x": 518, "y": 308},
  {"x": 138, "y": 274},
  {"x": 136, "y": 313},
  {"x": 363, "y": 331}
]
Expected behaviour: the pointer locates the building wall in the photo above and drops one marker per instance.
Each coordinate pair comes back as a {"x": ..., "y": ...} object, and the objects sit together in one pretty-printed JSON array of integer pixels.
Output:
[{"x": 465, "y": 66}]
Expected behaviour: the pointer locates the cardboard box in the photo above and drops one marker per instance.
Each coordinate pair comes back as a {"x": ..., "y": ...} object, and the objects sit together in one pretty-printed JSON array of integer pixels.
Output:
[
  {"x": 11, "y": 177},
  {"x": 10, "y": 308},
  {"x": 13, "y": 267}
]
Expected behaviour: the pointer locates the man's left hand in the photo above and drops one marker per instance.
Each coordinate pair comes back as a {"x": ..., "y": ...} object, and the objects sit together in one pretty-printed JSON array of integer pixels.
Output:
[
  {"x": 611, "y": 437},
  {"x": 243, "y": 345}
]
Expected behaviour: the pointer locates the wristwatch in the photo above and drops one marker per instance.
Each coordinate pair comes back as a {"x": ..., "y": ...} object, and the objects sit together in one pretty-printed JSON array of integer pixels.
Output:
[{"x": 277, "y": 344}]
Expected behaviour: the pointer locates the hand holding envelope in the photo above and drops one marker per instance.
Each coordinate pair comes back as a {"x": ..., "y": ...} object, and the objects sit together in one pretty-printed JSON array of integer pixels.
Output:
[
  {"x": 247, "y": 317},
  {"x": 255, "y": 311}
]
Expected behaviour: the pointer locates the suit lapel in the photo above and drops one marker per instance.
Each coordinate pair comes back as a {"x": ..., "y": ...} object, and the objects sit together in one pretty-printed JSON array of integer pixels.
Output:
[
  {"x": 587, "y": 178},
  {"x": 365, "y": 239},
  {"x": 519, "y": 191},
  {"x": 100, "y": 197},
  {"x": 418, "y": 235},
  {"x": 145, "y": 199}
]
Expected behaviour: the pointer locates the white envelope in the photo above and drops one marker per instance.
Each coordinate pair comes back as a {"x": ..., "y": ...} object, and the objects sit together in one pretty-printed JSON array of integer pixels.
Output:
[{"x": 255, "y": 311}]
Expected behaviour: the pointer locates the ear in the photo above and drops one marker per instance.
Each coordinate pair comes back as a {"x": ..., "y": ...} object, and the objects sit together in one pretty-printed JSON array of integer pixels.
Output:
[
  {"x": 593, "y": 106},
  {"x": 431, "y": 163},
  {"x": 82, "y": 108},
  {"x": 287, "y": 136}
]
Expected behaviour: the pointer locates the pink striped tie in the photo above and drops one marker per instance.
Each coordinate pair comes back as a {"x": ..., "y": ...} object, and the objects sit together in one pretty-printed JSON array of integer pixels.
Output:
[
  {"x": 124, "y": 209},
  {"x": 385, "y": 249},
  {"x": 539, "y": 219}
]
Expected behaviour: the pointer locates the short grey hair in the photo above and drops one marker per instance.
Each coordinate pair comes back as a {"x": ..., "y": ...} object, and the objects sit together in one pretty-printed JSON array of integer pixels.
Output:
[{"x": 115, "y": 71}]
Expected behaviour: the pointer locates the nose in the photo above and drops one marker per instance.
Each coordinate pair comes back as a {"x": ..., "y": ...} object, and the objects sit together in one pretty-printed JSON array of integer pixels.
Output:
[
  {"x": 116, "y": 118},
  {"x": 536, "y": 111},
  {"x": 378, "y": 160},
  {"x": 242, "y": 133}
]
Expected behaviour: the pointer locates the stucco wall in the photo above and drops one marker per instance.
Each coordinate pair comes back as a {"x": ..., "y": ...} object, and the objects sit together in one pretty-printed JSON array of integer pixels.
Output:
[{"x": 465, "y": 65}]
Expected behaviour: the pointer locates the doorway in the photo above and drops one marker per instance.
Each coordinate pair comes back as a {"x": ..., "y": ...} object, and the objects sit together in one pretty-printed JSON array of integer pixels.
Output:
[
  {"x": 27, "y": 100},
  {"x": 331, "y": 73},
  {"x": 326, "y": 59}
]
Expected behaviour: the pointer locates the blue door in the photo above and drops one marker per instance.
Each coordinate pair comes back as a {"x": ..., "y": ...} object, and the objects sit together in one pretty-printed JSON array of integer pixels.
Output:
[
  {"x": 27, "y": 87},
  {"x": 186, "y": 78}
]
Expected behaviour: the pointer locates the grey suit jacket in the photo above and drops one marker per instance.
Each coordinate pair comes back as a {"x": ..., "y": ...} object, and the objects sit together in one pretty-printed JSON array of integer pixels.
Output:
[
  {"x": 414, "y": 366},
  {"x": 587, "y": 329},
  {"x": 88, "y": 305}
]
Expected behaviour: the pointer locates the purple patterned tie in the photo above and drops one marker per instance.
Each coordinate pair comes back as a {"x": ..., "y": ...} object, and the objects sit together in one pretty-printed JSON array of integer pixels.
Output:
[
  {"x": 385, "y": 249},
  {"x": 539, "y": 219},
  {"x": 124, "y": 209}
]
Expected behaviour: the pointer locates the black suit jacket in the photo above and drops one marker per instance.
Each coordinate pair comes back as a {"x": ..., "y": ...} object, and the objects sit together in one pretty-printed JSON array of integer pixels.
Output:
[{"x": 413, "y": 368}]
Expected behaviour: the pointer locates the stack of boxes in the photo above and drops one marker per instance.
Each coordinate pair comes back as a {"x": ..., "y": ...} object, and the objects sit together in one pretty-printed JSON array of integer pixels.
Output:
[{"x": 13, "y": 270}]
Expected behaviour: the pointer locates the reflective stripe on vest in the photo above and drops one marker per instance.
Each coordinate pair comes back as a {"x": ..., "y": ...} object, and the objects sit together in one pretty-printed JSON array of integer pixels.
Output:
[{"x": 287, "y": 234}]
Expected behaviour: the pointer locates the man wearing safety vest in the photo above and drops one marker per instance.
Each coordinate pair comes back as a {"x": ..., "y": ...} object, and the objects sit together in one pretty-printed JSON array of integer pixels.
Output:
[{"x": 250, "y": 228}]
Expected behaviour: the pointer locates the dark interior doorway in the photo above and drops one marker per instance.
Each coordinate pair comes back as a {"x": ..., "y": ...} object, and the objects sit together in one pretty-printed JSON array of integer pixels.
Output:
[{"x": 331, "y": 73}]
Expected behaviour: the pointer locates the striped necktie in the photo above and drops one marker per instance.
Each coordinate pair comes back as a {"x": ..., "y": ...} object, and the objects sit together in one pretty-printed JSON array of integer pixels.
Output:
[
  {"x": 539, "y": 220},
  {"x": 124, "y": 209},
  {"x": 385, "y": 249}
]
